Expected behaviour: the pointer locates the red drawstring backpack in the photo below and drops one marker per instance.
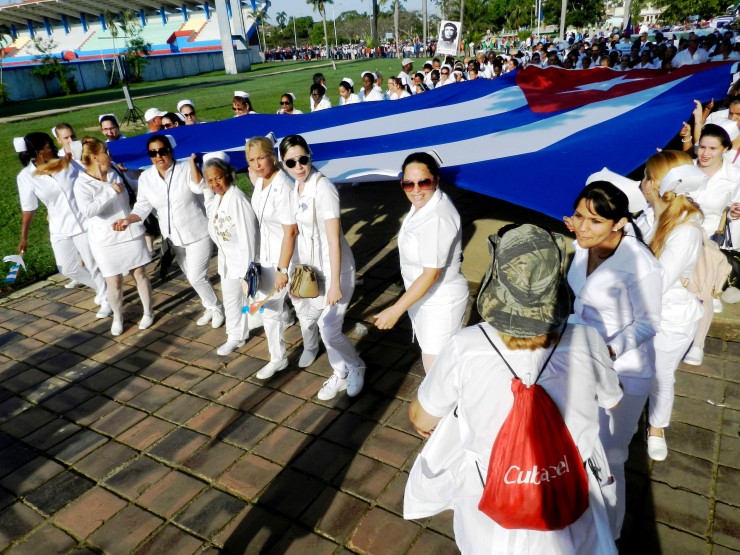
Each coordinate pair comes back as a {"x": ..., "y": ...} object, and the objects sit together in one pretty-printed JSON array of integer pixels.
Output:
[{"x": 536, "y": 478}]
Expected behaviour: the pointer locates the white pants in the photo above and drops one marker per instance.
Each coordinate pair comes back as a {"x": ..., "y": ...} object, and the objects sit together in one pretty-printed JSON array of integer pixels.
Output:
[
  {"x": 316, "y": 317},
  {"x": 275, "y": 313},
  {"x": 670, "y": 349},
  {"x": 70, "y": 253},
  {"x": 234, "y": 300},
  {"x": 616, "y": 428},
  {"x": 193, "y": 259}
]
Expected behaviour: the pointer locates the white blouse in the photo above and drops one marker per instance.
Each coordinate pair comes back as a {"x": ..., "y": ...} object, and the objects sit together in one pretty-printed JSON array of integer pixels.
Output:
[
  {"x": 721, "y": 190},
  {"x": 233, "y": 227},
  {"x": 274, "y": 209}
]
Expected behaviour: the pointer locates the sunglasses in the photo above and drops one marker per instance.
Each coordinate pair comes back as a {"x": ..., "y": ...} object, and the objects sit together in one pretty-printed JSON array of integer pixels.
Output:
[
  {"x": 285, "y": 102},
  {"x": 153, "y": 153},
  {"x": 445, "y": 73},
  {"x": 302, "y": 160},
  {"x": 188, "y": 115},
  {"x": 424, "y": 185},
  {"x": 169, "y": 125}
]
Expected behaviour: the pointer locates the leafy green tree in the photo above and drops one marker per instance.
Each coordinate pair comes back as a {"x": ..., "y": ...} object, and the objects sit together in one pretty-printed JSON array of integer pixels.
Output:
[
  {"x": 580, "y": 12},
  {"x": 281, "y": 18},
  {"x": 679, "y": 10},
  {"x": 137, "y": 49},
  {"x": 320, "y": 6},
  {"x": 51, "y": 66}
]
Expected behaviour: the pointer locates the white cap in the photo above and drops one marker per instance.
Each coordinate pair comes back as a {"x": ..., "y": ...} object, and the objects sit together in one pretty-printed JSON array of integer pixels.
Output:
[
  {"x": 369, "y": 73},
  {"x": 731, "y": 128},
  {"x": 101, "y": 116},
  {"x": 19, "y": 144},
  {"x": 683, "y": 180},
  {"x": 241, "y": 94},
  {"x": 152, "y": 113},
  {"x": 219, "y": 155},
  {"x": 54, "y": 131},
  {"x": 406, "y": 61},
  {"x": 184, "y": 103},
  {"x": 291, "y": 95},
  {"x": 629, "y": 187},
  {"x": 348, "y": 80},
  {"x": 173, "y": 142},
  {"x": 76, "y": 148}
]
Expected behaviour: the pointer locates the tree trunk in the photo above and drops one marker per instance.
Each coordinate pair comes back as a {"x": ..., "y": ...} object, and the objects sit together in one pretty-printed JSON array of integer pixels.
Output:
[
  {"x": 462, "y": 11},
  {"x": 425, "y": 24},
  {"x": 326, "y": 41},
  {"x": 563, "y": 10},
  {"x": 396, "y": 17},
  {"x": 374, "y": 25}
]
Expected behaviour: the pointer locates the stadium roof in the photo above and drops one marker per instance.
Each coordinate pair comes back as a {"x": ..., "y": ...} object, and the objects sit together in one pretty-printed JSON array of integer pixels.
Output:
[{"x": 36, "y": 10}]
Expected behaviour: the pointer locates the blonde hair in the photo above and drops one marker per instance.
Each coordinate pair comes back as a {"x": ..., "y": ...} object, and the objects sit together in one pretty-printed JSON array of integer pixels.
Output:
[
  {"x": 679, "y": 208},
  {"x": 528, "y": 343},
  {"x": 53, "y": 166},
  {"x": 263, "y": 144},
  {"x": 91, "y": 147}
]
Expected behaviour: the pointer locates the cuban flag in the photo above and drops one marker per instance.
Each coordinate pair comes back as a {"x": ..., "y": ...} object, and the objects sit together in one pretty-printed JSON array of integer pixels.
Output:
[{"x": 530, "y": 137}]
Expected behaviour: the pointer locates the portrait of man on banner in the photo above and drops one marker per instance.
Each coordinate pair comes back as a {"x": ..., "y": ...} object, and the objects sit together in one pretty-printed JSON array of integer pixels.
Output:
[{"x": 449, "y": 38}]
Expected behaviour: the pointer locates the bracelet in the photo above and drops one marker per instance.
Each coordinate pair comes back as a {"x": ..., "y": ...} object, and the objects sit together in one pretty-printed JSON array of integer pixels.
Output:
[{"x": 687, "y": 140}]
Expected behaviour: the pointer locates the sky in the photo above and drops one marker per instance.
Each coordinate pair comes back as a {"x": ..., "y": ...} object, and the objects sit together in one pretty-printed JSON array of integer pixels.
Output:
[{"x": 299, "y": 8}]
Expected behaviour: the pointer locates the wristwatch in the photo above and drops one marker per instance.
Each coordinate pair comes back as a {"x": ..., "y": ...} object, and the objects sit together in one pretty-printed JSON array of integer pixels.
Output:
[{"x": 282, "y": 270}]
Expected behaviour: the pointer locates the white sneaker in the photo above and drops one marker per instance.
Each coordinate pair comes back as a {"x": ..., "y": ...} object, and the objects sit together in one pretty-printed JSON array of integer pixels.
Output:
[
  {"x": 105, "y": 310},
  {"x": 355, "y": 380},
  {"x": 717, "y": 305},
  {"x": 731, "y": 295},
  {"x": 694, "y": 357},
  {"x": 146, "y": 321},
  {"x": 218, "y": 318},
  {"x": 207, "y": 317},
  {"x": 72, "y": 284},
  {"x": 229, "y": 347},
  {"x": 272, "y": 368},
  {"x": 657, "y": 448},
  {"x": 307, "y": 358},
  {"x": 117, "y": 327},
  {"x": 331, "y": 387}
]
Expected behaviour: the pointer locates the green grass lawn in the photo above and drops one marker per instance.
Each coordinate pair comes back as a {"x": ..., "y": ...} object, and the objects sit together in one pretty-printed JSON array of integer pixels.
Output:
[{"x": 211, "y": 94}]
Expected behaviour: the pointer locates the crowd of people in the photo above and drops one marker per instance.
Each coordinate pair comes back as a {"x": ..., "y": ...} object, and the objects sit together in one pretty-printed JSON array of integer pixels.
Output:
[{"x": 606, "y": 335}]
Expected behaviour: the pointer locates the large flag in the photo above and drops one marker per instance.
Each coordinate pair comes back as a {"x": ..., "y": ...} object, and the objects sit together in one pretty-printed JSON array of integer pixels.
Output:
[{"x": 530, "y": 137}]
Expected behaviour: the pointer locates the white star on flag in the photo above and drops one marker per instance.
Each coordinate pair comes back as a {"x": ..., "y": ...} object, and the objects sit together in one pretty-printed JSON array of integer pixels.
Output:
[{"x": 602, "y": 85}]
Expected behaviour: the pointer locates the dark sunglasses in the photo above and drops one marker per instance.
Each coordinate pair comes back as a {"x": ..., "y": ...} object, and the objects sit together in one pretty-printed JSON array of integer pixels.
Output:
[
  {"x": 284, "y": 102},
  {"x": 424, "y": 185},
  {"x": 188, "y": 115},
  {"x": 168, "y": 125},
  {"x": 159, "y": 152},
  {"x": 302, "y": 160}
]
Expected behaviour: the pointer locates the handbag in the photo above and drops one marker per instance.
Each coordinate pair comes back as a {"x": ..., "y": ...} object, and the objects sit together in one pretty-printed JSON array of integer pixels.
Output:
[
  {"x": 722, "y": 236},
  {"x": 304, "y": 282},
  {"x": 165, "y": 261},
  {"x": 252, "y": 277}
]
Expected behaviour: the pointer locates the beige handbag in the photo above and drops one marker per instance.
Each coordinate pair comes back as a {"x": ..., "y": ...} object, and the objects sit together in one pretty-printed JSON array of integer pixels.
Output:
[{"x": 304, "y": 282}]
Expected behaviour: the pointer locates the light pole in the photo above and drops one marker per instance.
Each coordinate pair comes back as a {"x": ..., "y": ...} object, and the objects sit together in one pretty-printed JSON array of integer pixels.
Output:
[
  {"x": 334, "y": 18},
  {"x": 295, "y": 36}
]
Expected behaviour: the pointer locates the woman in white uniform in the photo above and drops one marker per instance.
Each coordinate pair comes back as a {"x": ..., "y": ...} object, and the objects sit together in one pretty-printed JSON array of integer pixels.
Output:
[
  {"x": 103, "y": 199},
  {"x": 430, "y": 249},
  {"x": 233, "y": 227},
  {"x": 723, "y": 188},
  {"x": 321, "y": 243},
  {"x": 672, "y": 227},
  {"x": 174, "y": 191},
  {"x": 318, "y": 98},
  {"x": 347, "y": 92},
  {"x": 272, "y": 201},
  {"x": 54, "y": 187},
  {"x": 618, "y": 286}
]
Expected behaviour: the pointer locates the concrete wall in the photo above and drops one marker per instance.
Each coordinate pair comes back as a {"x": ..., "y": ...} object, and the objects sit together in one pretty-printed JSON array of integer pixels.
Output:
[{"x": 21, "y": 84}]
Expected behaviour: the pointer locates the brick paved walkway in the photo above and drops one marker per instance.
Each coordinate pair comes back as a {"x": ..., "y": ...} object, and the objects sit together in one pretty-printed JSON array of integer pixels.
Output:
[{"x": 150, "y": 443}]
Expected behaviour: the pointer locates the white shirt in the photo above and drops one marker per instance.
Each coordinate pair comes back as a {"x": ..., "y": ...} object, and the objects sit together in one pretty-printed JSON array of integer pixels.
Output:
[
  {"x": 56, "y": 192},
  {"x": 183, "y": 218},
  {"x": 233, "y": 227},
  {"x": 722, "y": 189},
  {"x": 273, "y": 207},
  {"x": 375, "y": 95},
  {"x": 352, "y": 99},
  {"x": 684, "y": 57},
  {"x": 324, "y": 103},
  {"x": 397, "y": 96},
  {"x": 406, "y": 79},
  {"x": 320, "y": 193},
  {"x": 622, "y": 300},
  {"x": 101, "y": 205},
  {"x": 680, "y": 309},
  {"x": 470, "y": 375}
]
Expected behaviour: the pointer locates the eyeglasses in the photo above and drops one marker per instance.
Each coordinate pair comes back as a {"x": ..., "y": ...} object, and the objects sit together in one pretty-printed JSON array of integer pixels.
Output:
[
  {"x": 188, "y": 115},
  {"x": 153, "y": 153},
  {"x": 285, "y": 102},
  {"x": 444, "y": 72},
  {"x": 424, "y": 185},
  {"x": 302, "y": 160},
  {"x": 168, "y": 125}
]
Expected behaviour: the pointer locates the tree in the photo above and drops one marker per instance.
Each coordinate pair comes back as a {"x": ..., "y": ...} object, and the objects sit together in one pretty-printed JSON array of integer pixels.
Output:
[
  {"x": 51, "y": 66},
  {"x": 137, "y": 49},
  {"x": 281, "y": 18},
  {"x": 320, "y": 6},
  {"x": 581, "y": 13},
  {"x": 5, "y": 40},
  {"x": 679, "y": 10}
]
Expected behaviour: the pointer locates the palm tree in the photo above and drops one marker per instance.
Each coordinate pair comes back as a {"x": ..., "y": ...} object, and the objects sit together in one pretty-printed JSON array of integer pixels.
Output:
[
  {"x": 281, "y": 18},
  {"x": 320, "y": 6},
  {"x": 396, "y": 17}
]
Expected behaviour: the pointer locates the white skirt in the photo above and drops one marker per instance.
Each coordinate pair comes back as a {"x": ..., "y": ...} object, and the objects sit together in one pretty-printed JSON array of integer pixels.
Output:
[
  {"x": 436, "y": 317},
  {"x": 119, "y": 258}
]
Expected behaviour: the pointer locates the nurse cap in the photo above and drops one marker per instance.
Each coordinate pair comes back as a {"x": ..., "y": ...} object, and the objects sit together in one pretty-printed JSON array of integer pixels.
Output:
[{"x": 637, "y": 202}]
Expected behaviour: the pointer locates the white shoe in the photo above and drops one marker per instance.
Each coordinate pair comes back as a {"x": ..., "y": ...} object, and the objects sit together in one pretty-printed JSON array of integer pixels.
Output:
[
  {"x": 657, "y": 448},
  {"x": 105, "y": 310},
  {"x": 272, "y": 368},
  {"x": 207, "y": 317},
  {"x": 694, "y": 357},
  {"x": 229, "y": 347},
  {"x": 117, "y": 327},
  {"x": 100, "y": 299},
  {"x": 717, "y": 305},
  {"x": 307, "y": 358},
  {"x": 218, "y": 319},
  {"x": 355, "y": 380},
  {"x": 72, "y": 284},
  {"x": 331, "y": 387},
  {"x": 731, "y": 295},
  {"x": 146, "y": 321}
]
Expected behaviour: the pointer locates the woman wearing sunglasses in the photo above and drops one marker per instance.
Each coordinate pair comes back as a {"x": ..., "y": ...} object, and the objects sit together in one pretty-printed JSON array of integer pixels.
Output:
[
  {"x": 286, "y": 105},
  {"x": 321, "y": 243},
  {"x": 430, "y": 249},
  {"x": 173, "y": 190}
]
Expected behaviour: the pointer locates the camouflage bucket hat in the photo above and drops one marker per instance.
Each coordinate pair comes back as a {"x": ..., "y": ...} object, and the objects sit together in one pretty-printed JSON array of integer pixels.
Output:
[{"x": 524, "y": 293}]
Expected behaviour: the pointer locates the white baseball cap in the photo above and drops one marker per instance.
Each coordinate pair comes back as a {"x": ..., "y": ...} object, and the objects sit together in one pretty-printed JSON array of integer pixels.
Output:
[{"x": 152, "y": 113}]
